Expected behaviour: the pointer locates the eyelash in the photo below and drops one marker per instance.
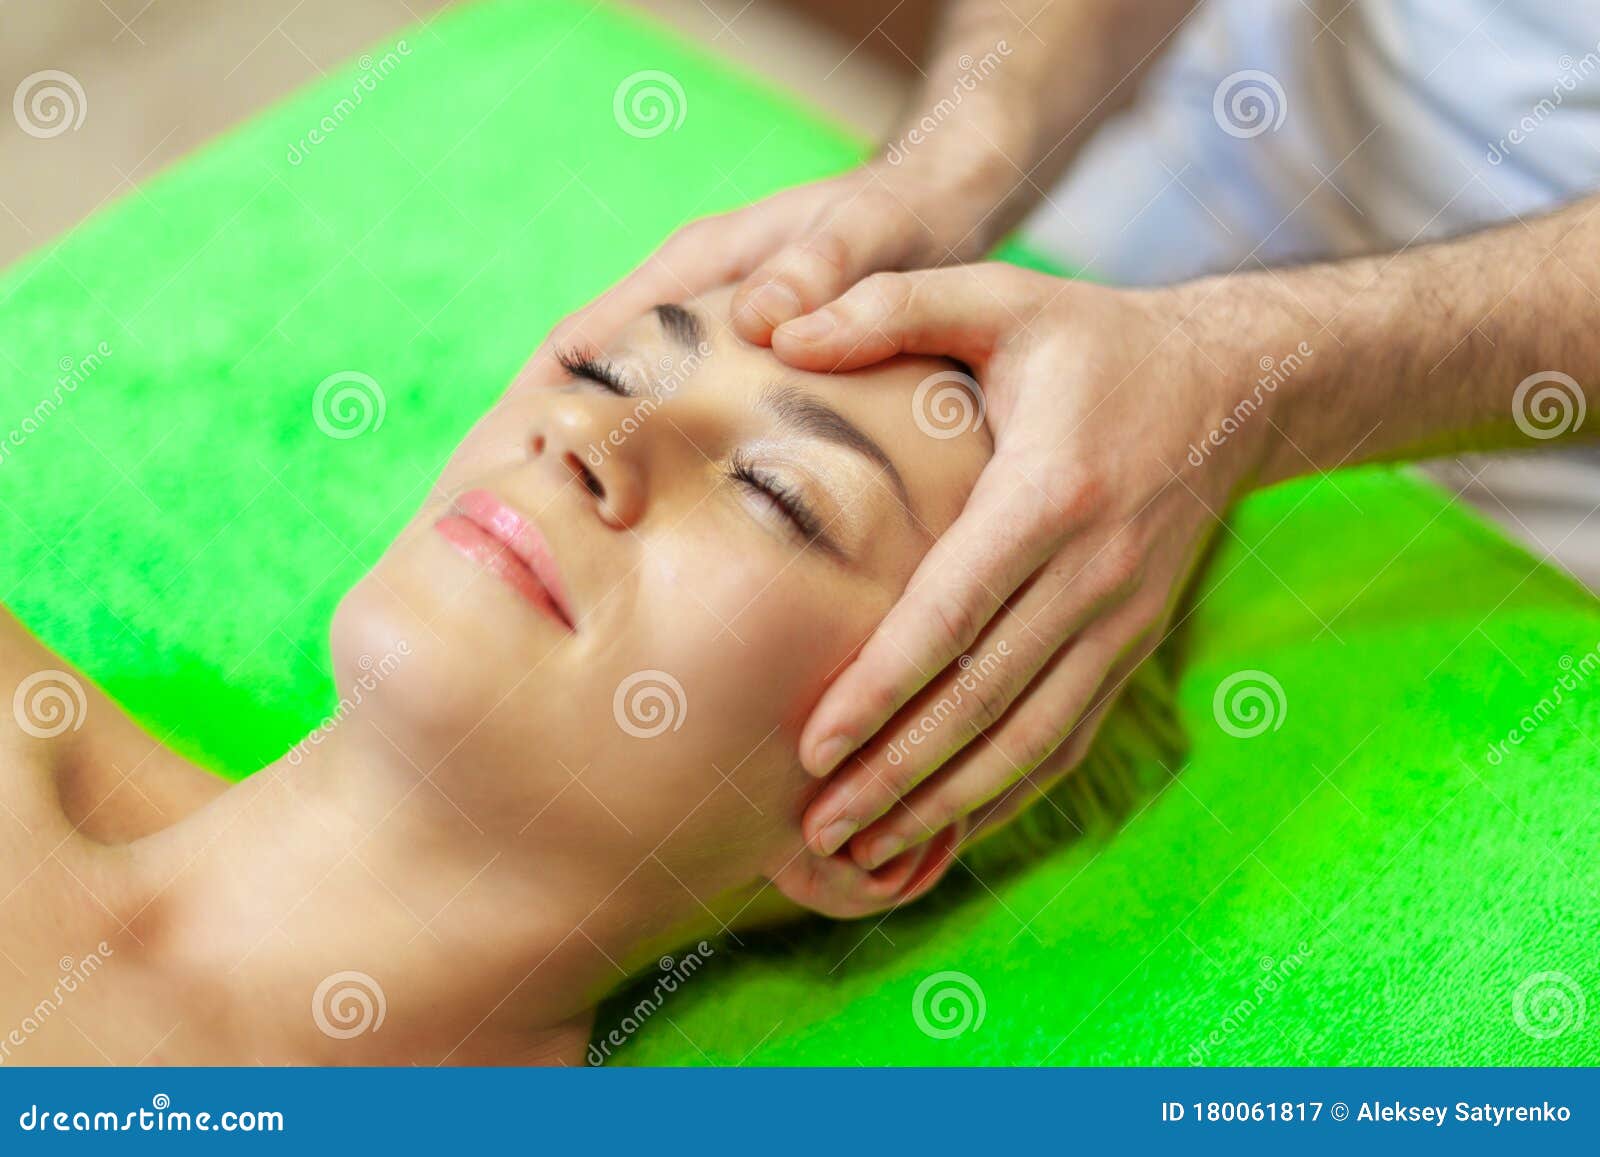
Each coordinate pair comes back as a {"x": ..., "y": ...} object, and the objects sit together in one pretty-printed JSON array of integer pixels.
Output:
[
  {"x": 586, "y": 366},
  {"x": 786, "y": 499},
  {"x": 590, "y": 367}
]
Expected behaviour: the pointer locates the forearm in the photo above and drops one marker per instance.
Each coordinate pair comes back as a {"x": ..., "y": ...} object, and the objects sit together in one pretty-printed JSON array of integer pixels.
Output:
[
  {"x": 1415, "y": 354},
  {"x": 1013, "y": 88}
]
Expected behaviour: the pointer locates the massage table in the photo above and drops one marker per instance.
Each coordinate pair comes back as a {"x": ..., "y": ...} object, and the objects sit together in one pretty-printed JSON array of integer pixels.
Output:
[{"x": 1367, "y": 871}]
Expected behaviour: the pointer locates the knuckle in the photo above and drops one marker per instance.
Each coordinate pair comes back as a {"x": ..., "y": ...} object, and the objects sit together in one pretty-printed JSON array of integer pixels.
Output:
[
  {"x": 1071, "y": 496},
  {"x": 1121, "y": 566},
  {"x": 702, "y": 241},
  {"x": 955, "y": 624},
  {"x": 1034, "y": 744},
  {"x": 826, "y": 253},
  {"x": 893, "y": 684},
  {"x": 882, "y": 698},
  {"x": 1078, "y": 493},
  {"x": 882, "y": 293},
  {"x": 988, "y": 702},
  {"x": 701, "y": 228},
  {"x": 663, "y": 264},
  {"x": 810, "y": 268},
  {"x": 689, "y": 237}
]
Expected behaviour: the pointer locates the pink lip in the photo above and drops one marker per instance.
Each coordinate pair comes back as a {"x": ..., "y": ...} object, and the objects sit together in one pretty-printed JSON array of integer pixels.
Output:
[{"x": 501, "y": 540}]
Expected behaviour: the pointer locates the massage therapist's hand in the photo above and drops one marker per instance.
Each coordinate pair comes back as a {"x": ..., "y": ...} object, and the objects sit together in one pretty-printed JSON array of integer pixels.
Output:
[
  {"x": 801, "y": 248},
  {"x": 1022, "y": 622}
]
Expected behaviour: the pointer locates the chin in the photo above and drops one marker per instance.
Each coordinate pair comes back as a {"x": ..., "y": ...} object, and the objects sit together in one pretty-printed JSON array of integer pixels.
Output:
[{"x": 424, "y": 665}]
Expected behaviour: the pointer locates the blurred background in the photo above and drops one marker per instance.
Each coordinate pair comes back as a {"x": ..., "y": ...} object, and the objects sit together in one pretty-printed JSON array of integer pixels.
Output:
[{"x": 183, "y": 71}]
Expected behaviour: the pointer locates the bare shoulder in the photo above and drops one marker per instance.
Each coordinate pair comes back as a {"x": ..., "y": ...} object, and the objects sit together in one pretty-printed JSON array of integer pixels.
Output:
[{"x": 69, "y": 753}]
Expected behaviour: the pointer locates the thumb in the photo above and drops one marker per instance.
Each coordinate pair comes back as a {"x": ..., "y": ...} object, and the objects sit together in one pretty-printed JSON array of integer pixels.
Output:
[
  {"x": 856, "y": 237},
  {"x": 962, "y": 312}
]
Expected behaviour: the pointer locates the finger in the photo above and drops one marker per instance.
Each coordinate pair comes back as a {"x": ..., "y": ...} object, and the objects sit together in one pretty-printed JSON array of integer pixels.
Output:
[
  {"x": 1042, "y": 737},
  {"x": 995, "y": 761},
  {"x": 858, "y": 236},
  {"x": 1028, "y": 791},
  {"x": 959, "y": 312},
  {"x": 700, "y": 256},
  {"x": 1001, "y": 537},
  {"x": 1011, "y": 683},
  {"x": 837, "y": 886}
]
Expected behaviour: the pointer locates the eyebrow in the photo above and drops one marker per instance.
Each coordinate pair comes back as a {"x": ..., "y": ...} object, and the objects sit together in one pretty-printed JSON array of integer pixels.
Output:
[
  {"x": 809, "y": 416},
  {"x": 796, "y": 409},
  {"x": 681, "y": 325}
]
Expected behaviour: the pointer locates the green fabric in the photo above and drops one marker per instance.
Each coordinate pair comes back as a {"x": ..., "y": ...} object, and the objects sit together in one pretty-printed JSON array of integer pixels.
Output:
[{"x": 178, "y": 526}]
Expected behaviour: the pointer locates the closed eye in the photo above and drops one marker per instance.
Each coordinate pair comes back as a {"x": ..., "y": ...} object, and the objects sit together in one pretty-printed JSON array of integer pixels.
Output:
[
  {"x": 583, "y": 365},
  {"x": 786, "y": 500}
]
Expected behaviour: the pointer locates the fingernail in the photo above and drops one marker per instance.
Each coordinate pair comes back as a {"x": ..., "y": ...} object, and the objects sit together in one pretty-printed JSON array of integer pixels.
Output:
[
  {"x": 830, "y": 754},
  {"x": 835, "y": 834},
  {"x": 811, "y": 327},
  {"x": 773, "y": 303},
  {"x": 884, "y": 849}
]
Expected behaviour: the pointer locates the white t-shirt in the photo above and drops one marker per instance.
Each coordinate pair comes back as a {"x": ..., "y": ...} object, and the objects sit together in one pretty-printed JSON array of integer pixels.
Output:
[{"x": 1275, "y": 131}]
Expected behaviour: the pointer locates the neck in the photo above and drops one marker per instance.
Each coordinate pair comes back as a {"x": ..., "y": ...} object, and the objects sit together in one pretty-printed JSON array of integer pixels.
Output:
[{"x": 324, "y": 892}]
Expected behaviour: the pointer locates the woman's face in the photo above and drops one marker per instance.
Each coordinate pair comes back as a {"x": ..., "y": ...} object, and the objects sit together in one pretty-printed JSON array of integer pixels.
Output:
[{"x": 650, "y": 562}]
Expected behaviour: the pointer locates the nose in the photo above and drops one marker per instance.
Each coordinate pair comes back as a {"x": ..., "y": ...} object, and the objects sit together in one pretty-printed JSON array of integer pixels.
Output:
[{"x": 591, "y": 445}]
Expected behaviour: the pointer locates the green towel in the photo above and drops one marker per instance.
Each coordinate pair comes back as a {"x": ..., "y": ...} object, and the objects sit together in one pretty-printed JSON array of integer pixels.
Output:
[{"x": 1368, "y": 880}]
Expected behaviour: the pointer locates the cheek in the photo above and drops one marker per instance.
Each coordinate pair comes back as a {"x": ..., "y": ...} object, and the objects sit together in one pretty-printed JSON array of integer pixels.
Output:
[
  {"x": 752, "y": 632},
  {"x": 699, "y": 695}
]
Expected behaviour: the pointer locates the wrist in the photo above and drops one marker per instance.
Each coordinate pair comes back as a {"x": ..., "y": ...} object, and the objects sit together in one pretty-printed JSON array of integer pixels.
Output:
[
  {"x": 961, "y": 165},
  {"x": 1258, "y": 366}
]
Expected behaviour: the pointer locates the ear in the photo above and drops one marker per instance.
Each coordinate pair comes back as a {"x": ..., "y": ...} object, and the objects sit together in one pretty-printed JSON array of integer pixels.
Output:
[{"x": 837, "y": 886}]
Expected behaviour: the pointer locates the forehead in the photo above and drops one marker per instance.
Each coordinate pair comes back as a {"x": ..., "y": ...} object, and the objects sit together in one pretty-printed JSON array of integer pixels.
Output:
[{"x": 926, "y": 414}]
